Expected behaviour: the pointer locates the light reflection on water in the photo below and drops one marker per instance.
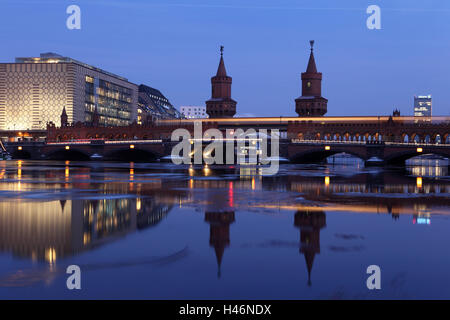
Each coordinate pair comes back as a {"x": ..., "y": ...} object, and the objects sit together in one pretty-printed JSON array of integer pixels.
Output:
[
  {"x": 236, "y": 233},
  {"x": 428, "y": 167}
]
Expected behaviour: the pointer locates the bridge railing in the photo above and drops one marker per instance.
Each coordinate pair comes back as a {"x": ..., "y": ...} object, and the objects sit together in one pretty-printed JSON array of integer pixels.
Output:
[
  {"x": 96, "y": 141},
  {"x": 23, "y": 143},
  {"x": 419, "y": 144},
  {"x": 307, "y": 141},
  {"x": 311, "y": 141},
  {"x": 133, "y": 141}
]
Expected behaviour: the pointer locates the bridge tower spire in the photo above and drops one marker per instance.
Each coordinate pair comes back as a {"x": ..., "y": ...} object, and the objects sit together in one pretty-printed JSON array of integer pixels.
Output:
[
  {"x": 219, "y": 236},
  {"x": 311, "y": 103},
  {"x": 221, "y": 105},
  {"x": 310, "y": 224},
  {"x": 64, "y": 118}
]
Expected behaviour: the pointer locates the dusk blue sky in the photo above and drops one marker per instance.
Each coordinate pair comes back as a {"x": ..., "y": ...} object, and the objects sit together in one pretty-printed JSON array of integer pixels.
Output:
[{"x": 173, "y": 45}]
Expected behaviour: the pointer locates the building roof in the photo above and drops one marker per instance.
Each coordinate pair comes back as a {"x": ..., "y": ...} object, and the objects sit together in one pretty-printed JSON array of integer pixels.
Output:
[
  {"x": 311, "y": 63},
  {"x": 154, "y": 102},
  {"x": 152, "y": 91},
  {"x": 51, "y": 57},
  {"x": 221, "y": 71}
]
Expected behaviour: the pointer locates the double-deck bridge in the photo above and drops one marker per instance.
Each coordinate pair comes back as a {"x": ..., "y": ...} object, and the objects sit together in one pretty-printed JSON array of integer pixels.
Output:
[{"x": 391, "y": 140}]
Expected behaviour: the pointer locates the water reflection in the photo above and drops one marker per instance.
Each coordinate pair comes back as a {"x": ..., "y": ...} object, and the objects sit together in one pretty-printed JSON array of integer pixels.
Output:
[
  {"x": 310, "y": 224},
  {"x": 51, "y": 230},
  {"x": 46, "y": 230},
  {"x": 429, "y": 167},
  {"x": 219, "y": 234},
  {"x": 51, "y": 211}
]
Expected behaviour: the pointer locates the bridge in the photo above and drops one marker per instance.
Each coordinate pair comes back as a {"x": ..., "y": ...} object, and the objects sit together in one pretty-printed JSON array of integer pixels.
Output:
[
  {"x": 90, "y": 149},
  {"x": 310, "y": 137},
  {"x": 390, "y": 153},
  {"x": 391, "y": 140}
]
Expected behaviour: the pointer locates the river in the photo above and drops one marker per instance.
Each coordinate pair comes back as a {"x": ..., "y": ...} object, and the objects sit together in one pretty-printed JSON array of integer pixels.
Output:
[{"x": 160, "y": 231}]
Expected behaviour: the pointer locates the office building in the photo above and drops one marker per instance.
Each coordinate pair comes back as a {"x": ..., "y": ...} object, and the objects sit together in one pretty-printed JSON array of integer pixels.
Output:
[
  {"x": 422, "y": 106},
  {"x": 34, "y": 91}
]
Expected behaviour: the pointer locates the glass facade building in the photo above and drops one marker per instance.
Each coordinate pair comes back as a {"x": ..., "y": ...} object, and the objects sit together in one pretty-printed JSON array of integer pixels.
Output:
[
  {"x": 422, "y": 106},
  {"x": 153, "y": 105},
  {"x": 194, "y": 112},
  {"x": 113, "y": 102}
]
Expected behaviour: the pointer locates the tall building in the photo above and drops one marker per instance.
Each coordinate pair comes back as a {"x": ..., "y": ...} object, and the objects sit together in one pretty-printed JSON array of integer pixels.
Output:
[
  {"x": 153, "y": 105},
  {"x": 311, "y": 103},
  {"x": 194, "y": 112},
  {"x": 422, "y": 106},
  {"x": 221, "y": 105},
  {"x": 34, "y": 91}
]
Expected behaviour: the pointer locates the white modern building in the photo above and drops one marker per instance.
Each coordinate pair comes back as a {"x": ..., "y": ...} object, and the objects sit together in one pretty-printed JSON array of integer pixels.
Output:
[
  {"x": 34, "y": 91},
  {"x": 422, "y": 106},
  {"x": 194, "y": 112}
]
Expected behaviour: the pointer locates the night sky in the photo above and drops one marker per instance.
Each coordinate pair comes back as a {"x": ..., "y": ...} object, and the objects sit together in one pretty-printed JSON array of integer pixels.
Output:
[{"x": 173, "y": 45}]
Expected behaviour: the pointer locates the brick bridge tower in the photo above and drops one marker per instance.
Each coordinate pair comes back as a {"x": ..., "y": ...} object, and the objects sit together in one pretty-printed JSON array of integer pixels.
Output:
[
  {"x": 219, "y": 236},
  {"x": 311, "y": 103},
  {"x": 310, "y": 224},
  {"x": 64, "y": 119},
  {"x": 221, "y": 105}
]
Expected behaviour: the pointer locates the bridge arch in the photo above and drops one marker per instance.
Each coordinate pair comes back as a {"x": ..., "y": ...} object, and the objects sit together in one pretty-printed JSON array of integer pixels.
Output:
[
  {"x": 415, "y": 138},
  {"x": 346, "y": 136},
  {"x": 436, "y": 138},
  {"x": 366, "y": 137},
  {"x": 71, "y": 154},
  {"x": 318, "y": 156},
  {"x": 400, "y": 158},
  {"x": 135, "y": 155},
  {"x": 377, "y": 137},
  {"x": 21, "y": 154},
  {"x": 446, "y": 138},
  {"x": 405, "y": 138}
]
